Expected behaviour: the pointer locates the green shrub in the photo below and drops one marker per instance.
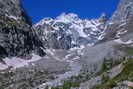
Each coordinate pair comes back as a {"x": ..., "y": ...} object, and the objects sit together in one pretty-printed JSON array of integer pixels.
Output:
[
  {"x": 126, "y": 74},
  {"x": 129, "y": 51}
]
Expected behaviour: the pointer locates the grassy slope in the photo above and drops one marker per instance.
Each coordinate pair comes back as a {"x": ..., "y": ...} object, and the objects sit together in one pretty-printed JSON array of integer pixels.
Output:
[{"x": 126, "y": 74}]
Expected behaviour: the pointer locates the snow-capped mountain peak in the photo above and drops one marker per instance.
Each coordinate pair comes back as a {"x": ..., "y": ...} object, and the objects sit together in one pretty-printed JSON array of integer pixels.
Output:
[
  {"x": 70, "y": 17},
  {"x": 69, "y": 27}
]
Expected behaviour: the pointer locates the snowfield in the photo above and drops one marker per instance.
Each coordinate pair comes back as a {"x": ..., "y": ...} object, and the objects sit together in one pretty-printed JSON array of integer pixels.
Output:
[
  {"x": 18, "y": 62},
  {"x": 122, "y": 42}
]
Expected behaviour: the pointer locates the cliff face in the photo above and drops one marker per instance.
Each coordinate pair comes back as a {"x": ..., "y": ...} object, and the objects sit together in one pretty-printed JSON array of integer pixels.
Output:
[
  {"x": 120, "y": 25},
  {"x": 14, "y": 9},
  {"x": 68, "y": 30},
  {"x": 17, "y": 37},
  {"x": 72, "y": 59},
  {"x": 124, "y": 11}
]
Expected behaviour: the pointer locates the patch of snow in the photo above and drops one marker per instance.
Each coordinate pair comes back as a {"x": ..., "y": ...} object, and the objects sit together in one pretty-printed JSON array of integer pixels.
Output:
[
  {"x": 34, "y": 58},
  {"x": 67, "y": 56},
  {"x": 91, "y": 44},
  {"x": 102, "y": 33},
  {"x": 77, "y": 57},
  {"x": 72, "y": 25},
  {"x": 121, "y": 33},
  {"x": 74, "y": 49},
  {"x": 67, "y": 18},
  {"x": 59, "y": 37},
  {"x": 110, "y": 23},
  {"x": 122, "y": 42},
  {"x": 93, "y": 33},
  {"x": 75, "y": 70},
  {"x": 128, "y": 83},
  {"x": 79, "y": 29},
  {"x": 3, "y": 66},
  {"x": 18, "y": 62},
  {"x": 15, "y": 62},
  {"x": 73, "y": 42},
  {"x": 115, "y": 71},
  {"x": 50, "y": 53},
  {"x": 13, "y": 17},
  {"x": 101, "y": 36},
  {"x": 45, "y": 20},
  {"x": 79, "y": 52},
  {"x": 92, "y": 24},
  {"x": 123, "y": 24}
]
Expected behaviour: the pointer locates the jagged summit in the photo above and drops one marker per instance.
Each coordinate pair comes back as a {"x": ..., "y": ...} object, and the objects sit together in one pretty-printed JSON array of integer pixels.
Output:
[
  {"x": 120, "y": 24},
  {"x": 124, "y": 10},
  {"x": 17, "y": 38},
  {"x": 13, "y": 9},
  {"x": 59, "y": 53},
  {"x": 70, "y": 28},
  {"x": 68, "y": 17}
]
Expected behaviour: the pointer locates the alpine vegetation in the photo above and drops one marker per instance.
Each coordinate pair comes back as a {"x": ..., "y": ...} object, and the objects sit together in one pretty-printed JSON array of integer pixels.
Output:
[{"x": 66, "y": 52}]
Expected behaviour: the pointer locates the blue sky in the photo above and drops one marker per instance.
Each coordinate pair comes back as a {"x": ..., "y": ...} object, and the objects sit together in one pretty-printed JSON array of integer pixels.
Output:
[{"x": 39, "y": 9}]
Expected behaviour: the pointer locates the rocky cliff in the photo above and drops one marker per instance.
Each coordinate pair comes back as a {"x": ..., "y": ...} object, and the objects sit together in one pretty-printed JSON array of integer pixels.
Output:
[
  {"x": 68, "y": 31},
  {"x": 120, "y": 25},
  {"x": 17, "y": 37},
  {"x": 80, "y": 54}
]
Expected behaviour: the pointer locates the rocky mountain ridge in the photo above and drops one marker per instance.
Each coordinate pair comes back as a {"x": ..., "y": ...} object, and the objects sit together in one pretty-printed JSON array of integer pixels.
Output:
[
  {"x": 121, "y": 22},
  {"x": 17, "y": 37},
  {"x": 68, "y": 31},
  {"x": 66, "y": 52}
]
